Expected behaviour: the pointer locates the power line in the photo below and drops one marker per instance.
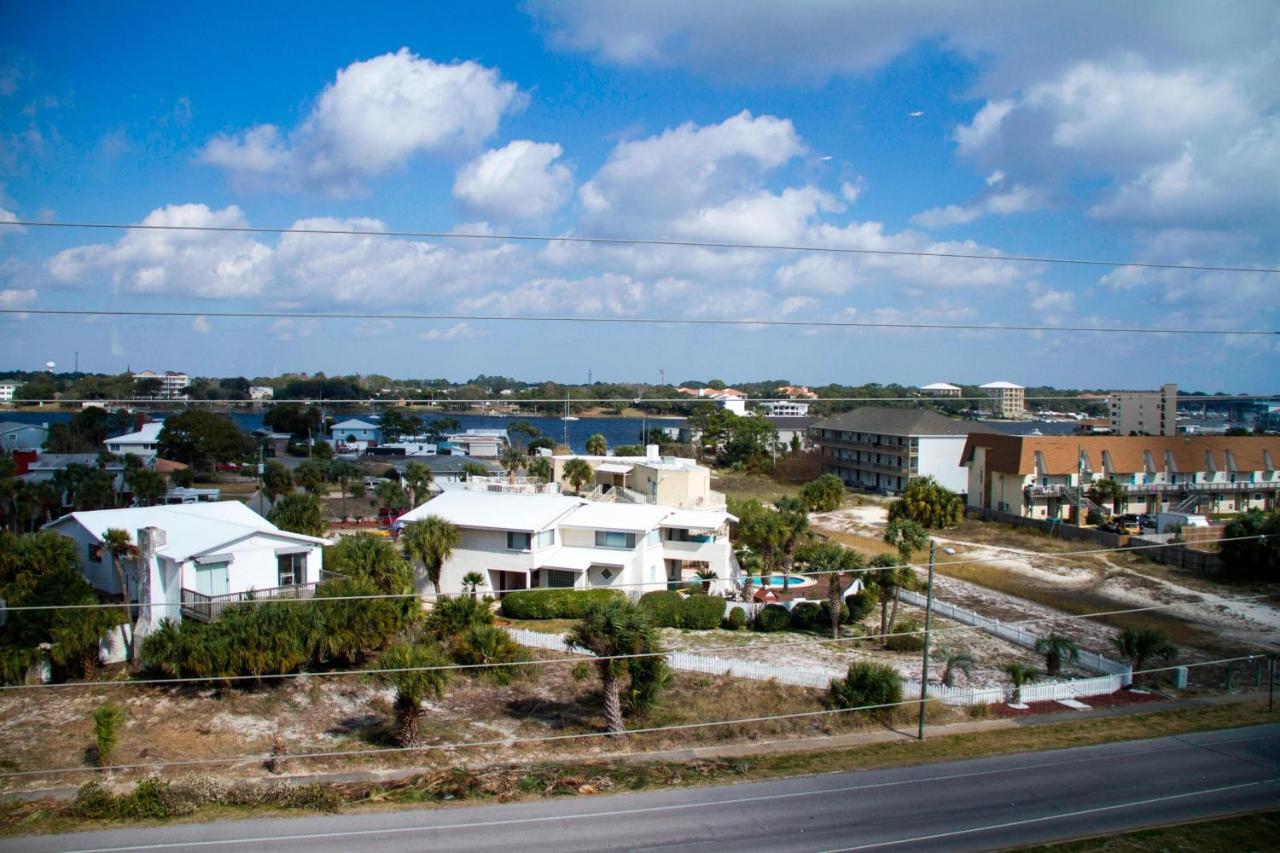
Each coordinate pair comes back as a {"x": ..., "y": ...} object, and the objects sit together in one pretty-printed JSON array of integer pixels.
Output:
[
  {"x": 430, "y": 596},
  {"x": 677, "y": 321},
  {"x": 631, "y": 241},
  {"x": 287, "y": 676},
  {"x": 350, "y": 753}
]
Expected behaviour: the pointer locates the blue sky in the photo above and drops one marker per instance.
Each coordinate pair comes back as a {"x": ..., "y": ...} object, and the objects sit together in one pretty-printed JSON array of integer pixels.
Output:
[{"x": 993, "y": 129}]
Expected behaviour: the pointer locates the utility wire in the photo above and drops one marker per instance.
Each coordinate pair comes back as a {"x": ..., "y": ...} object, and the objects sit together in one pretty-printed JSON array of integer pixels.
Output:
[
  {"x": 629, "y": 241},
  {"x": 285, "y": 676},
  {"x": 431, "y": 596},
  {"x": 1098, "y": 399},
  {"x": 349, "y": 753},
  {"x": 680, "y": 321}
]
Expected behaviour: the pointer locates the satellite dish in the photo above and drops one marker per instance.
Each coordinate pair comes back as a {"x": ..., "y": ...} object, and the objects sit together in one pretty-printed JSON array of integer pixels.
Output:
[{"x": 51, "y": 365}]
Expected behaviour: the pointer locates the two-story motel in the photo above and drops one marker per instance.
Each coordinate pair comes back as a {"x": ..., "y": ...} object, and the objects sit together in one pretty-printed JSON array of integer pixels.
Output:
[
  {"x": 1042, "y": 476},
  {"x": 525, "y": 541}
]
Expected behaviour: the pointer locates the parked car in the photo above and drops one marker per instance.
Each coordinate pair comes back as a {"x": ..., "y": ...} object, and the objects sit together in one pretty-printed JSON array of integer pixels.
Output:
[{"x": 1127, "y": 525}]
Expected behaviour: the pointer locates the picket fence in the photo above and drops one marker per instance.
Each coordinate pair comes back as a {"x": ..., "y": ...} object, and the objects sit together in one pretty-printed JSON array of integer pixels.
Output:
[
  {"x": 821, "y": 678},
  {"x": 1018, "y": 635}
]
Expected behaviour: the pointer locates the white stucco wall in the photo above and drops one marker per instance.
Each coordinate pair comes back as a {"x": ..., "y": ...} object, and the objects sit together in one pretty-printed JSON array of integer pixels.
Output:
[{"x": 939, "y": 457}]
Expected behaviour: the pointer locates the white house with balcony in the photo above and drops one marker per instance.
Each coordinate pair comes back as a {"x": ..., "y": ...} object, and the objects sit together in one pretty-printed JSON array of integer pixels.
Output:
[
  {"x": 530, "y": 541},
  {"x": 194, "y": 559},
  {"x": 145, "y": 443}
]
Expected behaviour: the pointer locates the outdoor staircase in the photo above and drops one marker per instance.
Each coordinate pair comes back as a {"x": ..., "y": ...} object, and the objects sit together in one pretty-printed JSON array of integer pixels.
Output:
[
  {"x": 1191, "y": 503},
  {"x": 1075, "y": 498}
]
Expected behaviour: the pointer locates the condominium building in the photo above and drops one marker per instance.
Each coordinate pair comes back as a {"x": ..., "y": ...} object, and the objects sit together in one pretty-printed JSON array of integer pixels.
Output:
[
  {"x": 530, "y": 541},
  {"x": 1144, "y": 412},
  {"x": 881, "y": 448},
  {"x": 1006, "y": 399},
  {"x": 1049, "y": 476},
  {"x": 941, "y": 389},
  {"x": 173, "y": 384},
  {"x": 784, "y": 409},
  {"x": 650, "y": 479},
  {"x": 7, "y": 390}
]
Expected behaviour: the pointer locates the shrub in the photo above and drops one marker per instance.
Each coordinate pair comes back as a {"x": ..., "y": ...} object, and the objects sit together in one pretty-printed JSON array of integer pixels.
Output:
[
  {"x": 450, "y": 617},
  {"x": 825, "y": 614},
  {"x": 805, "y": 615},
  {"x": 489, "y": 644},
  {"x": 663, "y": 607},
  {"x": 823, "y": 494},
  {"x": 106, "y": 731},
  {"x": 867, "y": 684},
  {"x": 772, "y": 617},
  {"x": 909, "y": 642},
  {"x": 554, "y": 603},
  {"x": 736, "y": 620},
  {"x": 670, "y": 609},
  {"x": 861, "y": 604}
]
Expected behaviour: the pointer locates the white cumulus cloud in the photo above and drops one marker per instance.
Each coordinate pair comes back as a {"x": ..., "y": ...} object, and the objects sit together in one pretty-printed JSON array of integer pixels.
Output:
[{"x": 521, "y": 180}]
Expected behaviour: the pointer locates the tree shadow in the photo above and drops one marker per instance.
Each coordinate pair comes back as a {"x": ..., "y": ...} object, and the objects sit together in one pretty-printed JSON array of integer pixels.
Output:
[
  {"x": 372, "y": 729},
  {"x": 559, "y": 714}
]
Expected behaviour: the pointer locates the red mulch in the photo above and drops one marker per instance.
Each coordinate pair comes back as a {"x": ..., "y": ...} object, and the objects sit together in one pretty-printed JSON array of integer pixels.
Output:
[{"x": 1112, "y": 700}]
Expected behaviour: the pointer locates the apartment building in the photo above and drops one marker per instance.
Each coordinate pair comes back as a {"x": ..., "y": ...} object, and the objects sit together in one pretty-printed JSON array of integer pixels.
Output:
[
  {"x": 941, "y": 389},
  {"x": 783, "y": 409},
  {"x": 1006, "y": 400},
  {"x": 532, "y": 541},
  {"x": 1049, "y": 476},
  {"x": 7, "y": 390},
  {"x": 881, "y": 448},
  {"x": 173, "y": 383},
  {"x": 651, "y": 479},
  {"x": 1144, "y": 412}
]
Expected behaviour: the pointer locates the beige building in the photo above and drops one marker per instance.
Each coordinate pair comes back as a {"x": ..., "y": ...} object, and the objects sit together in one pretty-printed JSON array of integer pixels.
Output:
[
  {"x": 941, "y": 389},
  {"x": 1144, "y": 412},
  {"x": 1041, "y": 476},
  {"x": 651, "y": 479},
  {"x": 1007, "y": 400}
]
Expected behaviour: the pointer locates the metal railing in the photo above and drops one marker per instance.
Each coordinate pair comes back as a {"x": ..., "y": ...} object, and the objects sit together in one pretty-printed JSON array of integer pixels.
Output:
[{"x": 206, "y": 608}]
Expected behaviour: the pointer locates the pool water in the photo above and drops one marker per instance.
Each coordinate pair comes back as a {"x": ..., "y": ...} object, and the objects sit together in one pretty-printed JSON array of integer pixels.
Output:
[{"x": 775, "y": 582}]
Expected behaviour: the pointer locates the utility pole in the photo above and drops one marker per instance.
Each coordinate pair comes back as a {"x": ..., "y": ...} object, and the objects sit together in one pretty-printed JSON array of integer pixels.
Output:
[
  {"x": 261, "y": 496},
  {"x": 928, "y": 623}
]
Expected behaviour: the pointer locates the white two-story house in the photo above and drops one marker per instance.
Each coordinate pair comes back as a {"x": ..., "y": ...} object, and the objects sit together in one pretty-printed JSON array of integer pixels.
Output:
[{"x": 523, "y": 541}]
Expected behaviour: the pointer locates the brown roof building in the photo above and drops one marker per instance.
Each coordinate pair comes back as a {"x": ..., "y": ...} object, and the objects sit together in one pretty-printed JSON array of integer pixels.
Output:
[{"x": 1041, "y": 476}]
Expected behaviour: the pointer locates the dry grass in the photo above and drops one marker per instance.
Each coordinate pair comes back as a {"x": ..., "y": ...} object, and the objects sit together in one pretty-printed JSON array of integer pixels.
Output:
[
  {"x": 869, "y": 546},
  {"x": 1242, "y": 832},
  {"x": 746, "y": 486}
]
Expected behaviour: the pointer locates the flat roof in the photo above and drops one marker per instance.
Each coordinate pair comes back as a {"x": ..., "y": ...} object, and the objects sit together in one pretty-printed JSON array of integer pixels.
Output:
[
  {"x": 495, "y": 510},
  {"x": 639, "y": 518},
  {"x": 698, "y": 519}
]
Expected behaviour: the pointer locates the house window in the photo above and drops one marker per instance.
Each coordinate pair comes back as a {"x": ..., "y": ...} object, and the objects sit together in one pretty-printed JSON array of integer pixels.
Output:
[
  {"x": 518, "y": 541},
  {"x": 557, "y": 578},
  {"x": 95, "y": 552},
  {"x": 615, "y": 539},
  {"x": 546, "y": 538},
  {"x": 291, "y": 569}
]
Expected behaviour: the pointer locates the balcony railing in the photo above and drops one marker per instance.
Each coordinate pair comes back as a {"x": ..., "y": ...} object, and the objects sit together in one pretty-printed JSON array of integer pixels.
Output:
[{"x": 206, "y": 608}]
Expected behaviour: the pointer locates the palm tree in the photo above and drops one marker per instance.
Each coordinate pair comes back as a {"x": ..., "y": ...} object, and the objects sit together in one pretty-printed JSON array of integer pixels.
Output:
[
  {"x": 430, "y": 542},
  {"x": 117, "y": 543},
  {"x": 472, "y": 581},
  {"x": 1057, "y": 649},
  {"x": 835, "y": 559},
  {"x": 513, "y": 459},
  {"x": 343, "y": 472},
  {"x": 597, "y": 445},
  {"x": 414, "y": 683},
  {"x": 953, "y": 662},
  {"x": 793, "y": 534},
  {"x": 1141, "y": 644},
  {"x": 906, "y": 536},
  {"x": 1020, "y": 674},
  {"x": 750, "y": 563},
  {"x": 608, "y": 629},
  {"x": 1107, "y": 490},
  {"x": 887, "y": 577},
  {"x": 578, "y": 472},
  {"x": 417, "y": 477},
  {"x": 540, "y": 467}
]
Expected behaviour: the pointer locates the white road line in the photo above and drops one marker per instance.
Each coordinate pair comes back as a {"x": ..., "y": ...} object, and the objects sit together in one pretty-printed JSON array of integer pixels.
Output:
[{"x": 1010, "y": 824}]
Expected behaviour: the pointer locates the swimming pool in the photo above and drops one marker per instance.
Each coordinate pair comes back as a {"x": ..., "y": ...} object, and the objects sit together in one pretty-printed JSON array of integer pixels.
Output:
[{"x": 775, "y": 582}]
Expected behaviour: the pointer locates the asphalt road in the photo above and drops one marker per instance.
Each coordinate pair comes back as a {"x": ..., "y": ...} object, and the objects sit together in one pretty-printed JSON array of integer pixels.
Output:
[{"x": 965, "y": 805}]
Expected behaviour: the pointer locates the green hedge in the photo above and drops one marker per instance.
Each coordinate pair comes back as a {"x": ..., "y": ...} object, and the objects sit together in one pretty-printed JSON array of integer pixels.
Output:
[
  {"x": 554, "y": 603},
  {"x": 772, "y": 617},
  {"x": 670, "y": 609},
  {"x": 736, "y": 620},
  {"x": 804, "y": 616}
]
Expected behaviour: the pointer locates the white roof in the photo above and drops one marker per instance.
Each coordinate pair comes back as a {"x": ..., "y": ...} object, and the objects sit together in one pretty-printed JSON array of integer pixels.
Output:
[
  {"x": 354, "y": 423},
  {"x": 581, "y": 559},
  {"x": 605, "y": 516},
  {"x": 614, "y": 468},
  {"x": 941, "y": 386},
  {"x": 149, "y": 434},
  {"x": 1000, "y": 385},
  {"x": 495, "y": 510},
  {"x": 698, "y": 519},
  {"x": 190, "y": 529}
]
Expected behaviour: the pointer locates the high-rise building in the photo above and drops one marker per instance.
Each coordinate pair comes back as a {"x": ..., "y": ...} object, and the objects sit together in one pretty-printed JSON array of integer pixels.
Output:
[
  {"x": 1007, "y": 400},
  {"x": 1144, "y": 412}
]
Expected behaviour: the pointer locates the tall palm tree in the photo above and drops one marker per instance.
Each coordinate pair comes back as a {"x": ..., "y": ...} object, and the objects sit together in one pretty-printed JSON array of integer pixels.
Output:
[
  {"x": 835, "y": 559},
  {"x": 1019, "y": 675},
  {"x": 513, "y": 459},
  {"x": 1057, "y": 650},
  {"x": 1141, "y": 644},
  {"x": 906, "y": 536},
  {"x": 430, "y": 542},
  {"x": 608, "y": 629},
  {"x": 597, "y": 445},
  {"x": 343, "y": 472},
  {"x": 578, "y": 472},
  {"x": 953, "y": 662},
  {"x": 887, "y": 578},
  {"x": 794, "y": 533},
  {"x": 414, "y": 683},
  {"x": 417, "y": 477},
  {"x": 117, "y": 543}
]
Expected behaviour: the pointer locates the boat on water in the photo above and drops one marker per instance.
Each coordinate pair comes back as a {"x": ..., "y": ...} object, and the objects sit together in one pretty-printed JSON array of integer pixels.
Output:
[{"x": 568, "y": 418}]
